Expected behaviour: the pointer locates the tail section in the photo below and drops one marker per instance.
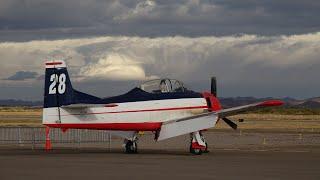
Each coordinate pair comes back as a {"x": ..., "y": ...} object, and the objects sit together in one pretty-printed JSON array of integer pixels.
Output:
[
  {"x": 58, "y": 88},
  {"x": 58, "y": 92}
]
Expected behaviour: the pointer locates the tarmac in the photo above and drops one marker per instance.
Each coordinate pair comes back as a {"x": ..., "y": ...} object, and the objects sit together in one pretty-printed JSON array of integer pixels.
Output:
[{"x": 231, "y": 156}]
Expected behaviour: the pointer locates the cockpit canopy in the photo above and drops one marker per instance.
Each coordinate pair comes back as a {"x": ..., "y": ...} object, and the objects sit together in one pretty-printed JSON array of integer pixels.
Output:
[{"x": 162, "y": 86}]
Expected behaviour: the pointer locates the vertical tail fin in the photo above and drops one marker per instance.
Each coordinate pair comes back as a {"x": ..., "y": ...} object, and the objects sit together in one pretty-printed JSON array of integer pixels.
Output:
[{"x": 58, "y": 88}]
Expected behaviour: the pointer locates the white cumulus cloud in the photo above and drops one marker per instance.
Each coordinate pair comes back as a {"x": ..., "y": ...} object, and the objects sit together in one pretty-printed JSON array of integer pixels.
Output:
[
  {"x": 243, "y": 62},
  {"x": 114, "y": 67}
]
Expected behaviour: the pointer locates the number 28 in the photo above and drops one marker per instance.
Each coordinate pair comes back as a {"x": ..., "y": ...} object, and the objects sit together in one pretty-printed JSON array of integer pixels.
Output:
[{"x": 61, "y": 80}]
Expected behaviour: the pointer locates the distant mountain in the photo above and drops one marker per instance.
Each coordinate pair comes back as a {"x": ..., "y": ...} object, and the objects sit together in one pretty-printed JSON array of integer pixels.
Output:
[
  {"x": 14, "y": 102},
  {"x": 307, "y": 103},
  {"x": 238, "y": 101},
  {"x": 312, "y": 103}
]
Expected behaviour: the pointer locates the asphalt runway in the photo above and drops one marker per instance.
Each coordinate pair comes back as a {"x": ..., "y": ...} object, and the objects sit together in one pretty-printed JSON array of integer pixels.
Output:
[{"x": 227, "y": 160}]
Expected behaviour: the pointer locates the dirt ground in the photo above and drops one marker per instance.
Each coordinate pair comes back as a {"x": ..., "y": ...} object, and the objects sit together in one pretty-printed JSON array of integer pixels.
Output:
[{"x": 249, "y": 155}]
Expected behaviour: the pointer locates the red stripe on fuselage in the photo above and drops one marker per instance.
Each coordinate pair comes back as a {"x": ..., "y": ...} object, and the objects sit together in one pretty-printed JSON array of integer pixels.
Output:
[
  {"x": 145, "y": 126},
  {"x": 143, "y": 110},
  {"x": 53, "y": 63}
]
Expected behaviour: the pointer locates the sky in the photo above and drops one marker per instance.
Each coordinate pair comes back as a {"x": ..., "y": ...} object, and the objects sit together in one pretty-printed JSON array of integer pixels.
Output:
[{"x": 259, "y": 48}]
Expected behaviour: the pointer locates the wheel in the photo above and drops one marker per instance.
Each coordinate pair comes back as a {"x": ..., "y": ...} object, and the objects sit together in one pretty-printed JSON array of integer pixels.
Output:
[
  {"x": 195, "y": 151},
  {"x": 131, "y": 147}
]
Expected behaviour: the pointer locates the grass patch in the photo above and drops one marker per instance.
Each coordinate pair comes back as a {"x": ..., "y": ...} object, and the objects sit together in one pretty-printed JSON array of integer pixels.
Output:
[
  {"x": 285, "y": 111},
  {"x": 20, "y": 116},
  {"x": 20, "y": 109}
]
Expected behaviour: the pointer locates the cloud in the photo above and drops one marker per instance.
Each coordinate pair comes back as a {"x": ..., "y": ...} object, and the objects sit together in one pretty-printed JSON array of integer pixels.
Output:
[
  {"x": 245, "y": 65},
  {"x": 114, "y": 67},
  {"x": 142, "y": 9},
  {"x": 33, "y": 19},
  {"x": 22, "y": 75}
]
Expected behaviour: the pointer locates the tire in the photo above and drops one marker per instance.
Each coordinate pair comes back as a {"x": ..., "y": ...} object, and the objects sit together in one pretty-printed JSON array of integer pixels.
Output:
[
  {"x": 131, "y": 147},
  {"x": 195, "y": 151}
]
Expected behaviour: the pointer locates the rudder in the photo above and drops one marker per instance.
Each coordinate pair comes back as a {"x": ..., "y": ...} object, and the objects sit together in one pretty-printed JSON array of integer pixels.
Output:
[{"x": 58, "y": 89}]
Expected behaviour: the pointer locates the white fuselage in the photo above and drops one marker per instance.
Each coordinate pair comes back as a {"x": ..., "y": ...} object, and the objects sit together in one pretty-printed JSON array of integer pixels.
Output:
[{"x": 124, "y": 116}]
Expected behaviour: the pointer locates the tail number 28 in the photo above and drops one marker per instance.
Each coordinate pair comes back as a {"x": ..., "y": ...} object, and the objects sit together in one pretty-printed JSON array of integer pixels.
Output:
[{"x": 60, "y": 80}]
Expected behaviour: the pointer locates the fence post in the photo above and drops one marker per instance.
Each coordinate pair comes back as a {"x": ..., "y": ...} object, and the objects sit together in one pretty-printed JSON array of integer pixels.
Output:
[
  {"x": 109, "y": 142},
  {"x": 264, "y": 141},
  {"x": 79, "y": 139},
  {"x": 33, "y": 139},
  {"x": 19, "y": 136}
]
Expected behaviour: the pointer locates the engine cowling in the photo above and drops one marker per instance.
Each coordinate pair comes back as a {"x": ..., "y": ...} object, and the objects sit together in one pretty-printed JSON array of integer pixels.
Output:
[{"x": 212, "y": 101}]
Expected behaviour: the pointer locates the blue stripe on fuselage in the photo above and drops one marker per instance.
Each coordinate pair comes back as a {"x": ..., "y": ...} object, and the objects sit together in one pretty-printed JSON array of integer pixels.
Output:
[{"x": 137, "y": 94}]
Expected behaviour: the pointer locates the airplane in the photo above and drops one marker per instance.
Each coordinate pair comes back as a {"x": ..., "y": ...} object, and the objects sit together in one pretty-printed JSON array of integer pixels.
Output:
[{"x": 163, "y": 106}]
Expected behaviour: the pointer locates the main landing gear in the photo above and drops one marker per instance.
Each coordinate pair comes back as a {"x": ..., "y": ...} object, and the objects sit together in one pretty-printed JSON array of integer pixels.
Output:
[
  {"x": 130, "y": 145},
  {"x": 198, "y": 144}
]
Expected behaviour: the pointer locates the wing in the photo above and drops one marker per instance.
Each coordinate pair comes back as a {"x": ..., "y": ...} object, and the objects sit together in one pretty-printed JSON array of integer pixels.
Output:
[
  {"x": 207, "y": 120},
  {"x": 236, "y": 110},
  {"x": 224, "y": 113}
]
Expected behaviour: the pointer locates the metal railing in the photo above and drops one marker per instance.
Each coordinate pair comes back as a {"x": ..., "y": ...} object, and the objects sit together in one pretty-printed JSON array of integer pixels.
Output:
[{"x": 37, "y": 135}]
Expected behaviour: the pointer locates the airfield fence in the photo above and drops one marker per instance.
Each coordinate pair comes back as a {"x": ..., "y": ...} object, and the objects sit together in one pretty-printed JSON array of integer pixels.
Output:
[
  {"x": 34, "y": 138},
  {"x": 36, "y": 135}
]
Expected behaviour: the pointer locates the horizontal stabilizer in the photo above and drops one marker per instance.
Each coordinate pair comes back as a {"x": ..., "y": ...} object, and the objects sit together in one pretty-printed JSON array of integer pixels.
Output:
[{"x": 81, "y": 106}]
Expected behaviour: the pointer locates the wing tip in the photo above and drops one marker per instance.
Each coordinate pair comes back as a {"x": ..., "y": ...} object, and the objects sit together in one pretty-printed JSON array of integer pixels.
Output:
[{"x": 272, "y": 103}]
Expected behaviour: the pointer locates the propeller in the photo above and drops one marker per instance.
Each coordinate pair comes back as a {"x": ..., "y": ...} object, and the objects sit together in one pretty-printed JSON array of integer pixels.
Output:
[
  {"x": 214, "y": 92},
  {"x": 230, "y": 123}
]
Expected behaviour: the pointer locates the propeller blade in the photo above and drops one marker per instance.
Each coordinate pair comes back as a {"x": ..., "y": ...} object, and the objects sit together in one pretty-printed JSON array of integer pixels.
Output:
[
  {"x": 214, "y": 86},
  {"x": 230, "y": 123}
]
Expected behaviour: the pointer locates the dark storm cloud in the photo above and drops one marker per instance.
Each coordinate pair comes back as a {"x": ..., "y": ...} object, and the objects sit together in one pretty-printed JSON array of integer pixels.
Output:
[
  {"x": 254, "y": 47},
  {"x": 158, "y": 18},
  {"x": 22, "y": 75}
]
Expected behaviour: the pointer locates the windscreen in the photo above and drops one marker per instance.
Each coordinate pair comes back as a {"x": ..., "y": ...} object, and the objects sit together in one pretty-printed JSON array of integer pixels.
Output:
[{"x": 162, "y": 86}]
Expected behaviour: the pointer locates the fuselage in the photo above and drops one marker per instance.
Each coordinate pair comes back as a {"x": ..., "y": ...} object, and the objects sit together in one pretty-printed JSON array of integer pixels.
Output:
[{"x": 139, "y": 116}]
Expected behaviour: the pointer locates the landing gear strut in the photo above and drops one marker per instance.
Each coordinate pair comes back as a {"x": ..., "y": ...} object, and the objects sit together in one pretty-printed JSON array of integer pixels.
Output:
[
  {"x": 198, "y": 144},
  {"x": 130, "y": 146}
]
